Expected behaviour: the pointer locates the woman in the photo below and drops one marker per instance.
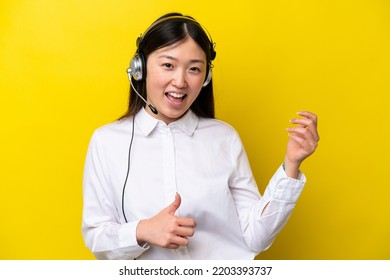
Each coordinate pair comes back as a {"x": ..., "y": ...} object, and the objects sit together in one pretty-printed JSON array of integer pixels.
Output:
[{"x": 168, "y": 180}]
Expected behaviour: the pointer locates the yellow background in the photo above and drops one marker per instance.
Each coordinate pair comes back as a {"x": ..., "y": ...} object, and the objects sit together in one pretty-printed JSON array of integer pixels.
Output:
[{"x": 62, "y": 74}]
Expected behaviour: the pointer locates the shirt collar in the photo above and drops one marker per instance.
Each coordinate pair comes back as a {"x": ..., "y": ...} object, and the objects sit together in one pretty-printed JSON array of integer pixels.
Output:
[{"x": 148, "y": 123}]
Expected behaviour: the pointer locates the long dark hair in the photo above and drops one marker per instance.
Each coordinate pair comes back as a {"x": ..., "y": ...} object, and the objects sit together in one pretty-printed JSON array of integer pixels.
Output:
[{"x": 162, "y": 33}]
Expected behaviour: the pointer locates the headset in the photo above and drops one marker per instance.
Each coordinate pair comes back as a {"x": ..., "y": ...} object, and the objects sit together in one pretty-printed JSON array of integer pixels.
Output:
[
  {"x": 137, "y": 68},
  {"x": 137, "y": 71}
]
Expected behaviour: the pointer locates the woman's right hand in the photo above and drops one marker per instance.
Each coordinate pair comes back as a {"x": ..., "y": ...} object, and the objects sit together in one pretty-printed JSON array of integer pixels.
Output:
[{"x": 165, "y": 229}]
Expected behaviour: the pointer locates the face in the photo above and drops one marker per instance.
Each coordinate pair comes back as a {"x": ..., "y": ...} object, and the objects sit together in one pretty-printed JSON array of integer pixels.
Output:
[{"x": 175, "y": 75}]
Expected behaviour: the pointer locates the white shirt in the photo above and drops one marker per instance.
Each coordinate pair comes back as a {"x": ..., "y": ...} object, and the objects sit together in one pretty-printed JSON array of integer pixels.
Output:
[{"x": 201, "y": 159}]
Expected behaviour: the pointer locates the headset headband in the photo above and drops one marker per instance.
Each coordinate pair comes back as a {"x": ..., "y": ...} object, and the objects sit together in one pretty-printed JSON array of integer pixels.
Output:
[{"x": 157, "y": 22}]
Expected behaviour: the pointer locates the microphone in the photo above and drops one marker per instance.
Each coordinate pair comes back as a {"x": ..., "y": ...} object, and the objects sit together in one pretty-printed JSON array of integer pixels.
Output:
[{"x": 152, "y": 108}]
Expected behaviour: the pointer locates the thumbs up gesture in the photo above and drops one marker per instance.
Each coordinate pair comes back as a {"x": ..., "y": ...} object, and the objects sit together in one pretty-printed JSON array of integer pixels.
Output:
[{"x": 165, "y": 229}]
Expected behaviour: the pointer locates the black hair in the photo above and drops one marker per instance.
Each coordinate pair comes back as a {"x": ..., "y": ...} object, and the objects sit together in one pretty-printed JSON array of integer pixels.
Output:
[{"x": 163, "y": 33}]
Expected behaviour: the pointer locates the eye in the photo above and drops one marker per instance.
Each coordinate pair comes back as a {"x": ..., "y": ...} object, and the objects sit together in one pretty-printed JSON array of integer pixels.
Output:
[
  {"x": 195, "y": 69},
  {"x": 167, "y": 65}
]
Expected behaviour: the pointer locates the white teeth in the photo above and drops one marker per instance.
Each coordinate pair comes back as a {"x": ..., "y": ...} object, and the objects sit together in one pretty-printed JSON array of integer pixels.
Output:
[{"x": 176, "y": 95}]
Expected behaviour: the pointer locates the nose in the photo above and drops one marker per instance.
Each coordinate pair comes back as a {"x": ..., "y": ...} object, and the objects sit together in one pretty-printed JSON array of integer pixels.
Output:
[{"x": 179, "y": 79}]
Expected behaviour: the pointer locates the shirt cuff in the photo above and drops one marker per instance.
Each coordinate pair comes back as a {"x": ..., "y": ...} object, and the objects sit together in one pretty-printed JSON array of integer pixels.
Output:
[
  {"x": 128, "y": 238},
  {"x": 286, "y": 188}
]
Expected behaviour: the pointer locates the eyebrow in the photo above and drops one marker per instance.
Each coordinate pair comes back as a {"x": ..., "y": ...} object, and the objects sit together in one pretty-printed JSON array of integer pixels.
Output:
[{"x": 175, "y": 59}]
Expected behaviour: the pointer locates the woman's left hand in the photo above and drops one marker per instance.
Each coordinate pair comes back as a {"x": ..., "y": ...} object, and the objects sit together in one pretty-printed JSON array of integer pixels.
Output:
[{"x": 303, "y": 141}]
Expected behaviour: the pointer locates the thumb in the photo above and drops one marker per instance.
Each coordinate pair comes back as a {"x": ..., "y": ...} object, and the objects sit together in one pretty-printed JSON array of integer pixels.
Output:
[{"x": 171, "y": 209}]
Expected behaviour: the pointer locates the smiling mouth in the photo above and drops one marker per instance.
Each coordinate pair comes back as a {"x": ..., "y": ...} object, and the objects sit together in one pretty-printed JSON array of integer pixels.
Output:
[{"x": 174, "y": 96}]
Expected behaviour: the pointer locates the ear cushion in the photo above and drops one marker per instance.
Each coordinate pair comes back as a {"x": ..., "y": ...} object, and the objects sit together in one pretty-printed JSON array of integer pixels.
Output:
[
  {"x": 138, "y": 67},
  {"x": 208, "y": 78}
]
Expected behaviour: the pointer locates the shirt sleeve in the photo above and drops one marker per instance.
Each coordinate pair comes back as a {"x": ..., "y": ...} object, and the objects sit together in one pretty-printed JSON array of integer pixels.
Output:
[
  {"x": 262, "y": 217},
  {"x": 102, "y": 230}
]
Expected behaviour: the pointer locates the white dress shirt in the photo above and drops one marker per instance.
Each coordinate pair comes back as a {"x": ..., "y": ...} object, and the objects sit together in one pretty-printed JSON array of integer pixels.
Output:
[{"x": 201, "y": 159}]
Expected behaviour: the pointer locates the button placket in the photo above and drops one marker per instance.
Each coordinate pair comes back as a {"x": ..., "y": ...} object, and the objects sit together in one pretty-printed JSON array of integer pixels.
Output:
[
  {"x": 170, "y": 184},
  {"x": 170, "y": 187}
]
